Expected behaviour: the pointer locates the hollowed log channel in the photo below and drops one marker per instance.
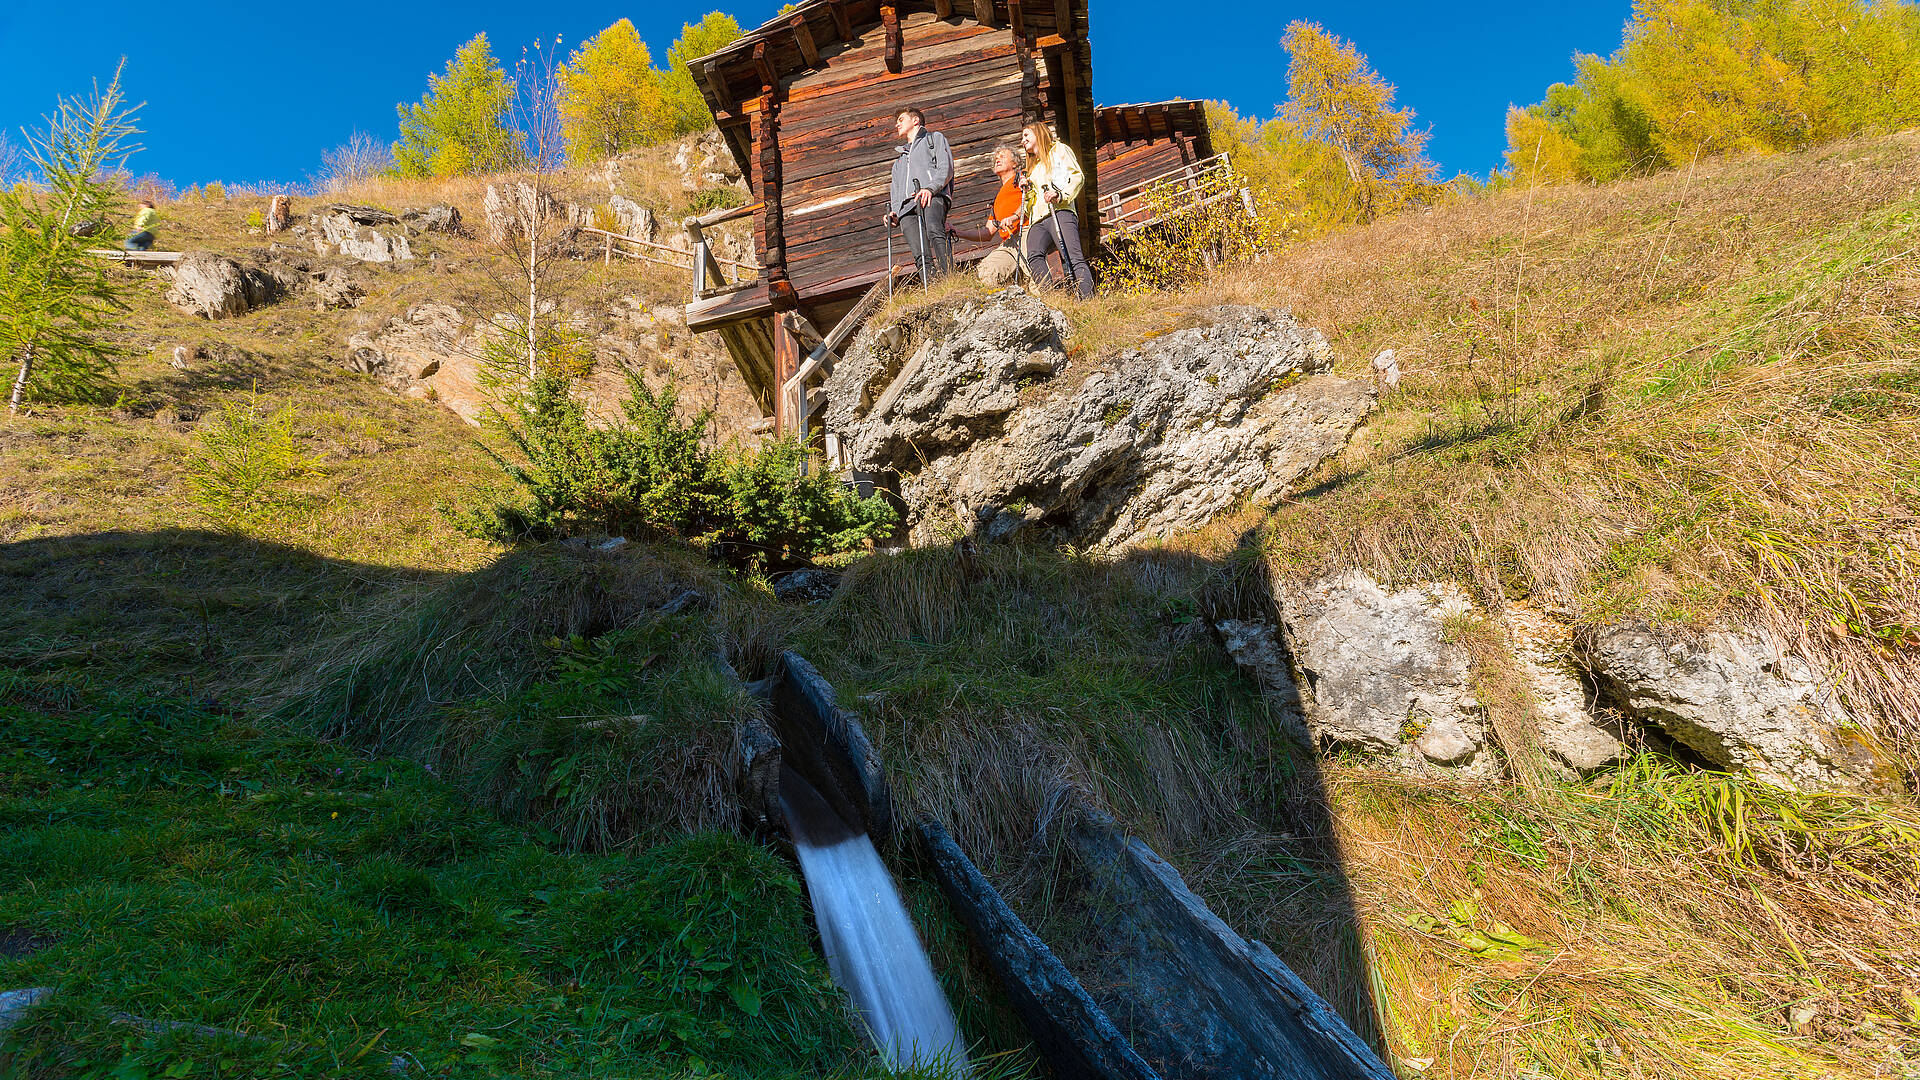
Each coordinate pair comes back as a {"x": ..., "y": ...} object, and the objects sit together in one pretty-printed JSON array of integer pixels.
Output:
[{"x": 1194, "y": 999}]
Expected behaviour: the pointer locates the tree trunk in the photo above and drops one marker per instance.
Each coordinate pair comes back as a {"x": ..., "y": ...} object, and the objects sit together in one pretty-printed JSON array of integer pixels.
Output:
[{"x": 20, "y": 382}]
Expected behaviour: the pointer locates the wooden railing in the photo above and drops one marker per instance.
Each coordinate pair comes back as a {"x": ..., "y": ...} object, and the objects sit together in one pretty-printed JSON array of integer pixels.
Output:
[
  {"x": 1177, "y": 191},
  {"x": 708, "y": 280}
]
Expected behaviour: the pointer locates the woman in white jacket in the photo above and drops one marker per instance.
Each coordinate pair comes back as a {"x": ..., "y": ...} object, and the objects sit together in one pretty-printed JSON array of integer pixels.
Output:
[{"x": 1054, "y": 180}]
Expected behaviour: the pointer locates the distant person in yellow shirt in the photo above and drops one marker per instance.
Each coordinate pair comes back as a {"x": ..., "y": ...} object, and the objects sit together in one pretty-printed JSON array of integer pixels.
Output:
[{"x": 143, "y": 221}]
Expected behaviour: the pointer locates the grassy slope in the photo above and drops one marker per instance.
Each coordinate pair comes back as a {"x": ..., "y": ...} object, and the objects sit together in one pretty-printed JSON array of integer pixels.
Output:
[{"x": 1664, "y": 923}]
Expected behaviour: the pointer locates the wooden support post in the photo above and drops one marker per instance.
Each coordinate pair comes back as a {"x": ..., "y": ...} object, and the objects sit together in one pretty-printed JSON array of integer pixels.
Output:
[
  {"x": 769, "y": 82},
  {"x": 803, "y": 39},
  {"x": 984, "y": 14},
  {"x": 1063, "y": 18},
  {"x": 722, "y": 93},
  {"x": 890, "y": 25},
  {"x": 786, "y": 361},
  {"x": 841, "y": 24},
  {"x": 943, "y": 9}
]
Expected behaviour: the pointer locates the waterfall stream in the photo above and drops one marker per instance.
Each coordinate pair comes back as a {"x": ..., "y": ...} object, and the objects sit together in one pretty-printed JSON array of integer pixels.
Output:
[{"x": 872, "y": 949}]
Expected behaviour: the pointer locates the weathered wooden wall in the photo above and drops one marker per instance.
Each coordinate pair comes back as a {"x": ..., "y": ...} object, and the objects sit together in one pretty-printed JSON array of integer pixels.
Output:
[
  {"x": 837, "y": 140},
  {"x": 1123, "y": 165}
]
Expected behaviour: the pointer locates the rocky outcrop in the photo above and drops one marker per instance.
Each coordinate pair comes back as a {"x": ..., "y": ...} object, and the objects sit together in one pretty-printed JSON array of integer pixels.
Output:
[
  {"x": 434, "y": 351},
  {"x": 1382, "y": 675},
  {"x": 433, "y": 219},
  {"x": 214, "y": 286},
  {"x": 511, "y": 209},
  {"x": 955, "y": 389},
  {"x": 1738, "y": 700},
  {"x": 352, "y": 232},
  {"x": 632, "y": 219},
  {"x": 1573, "y": 740},
  {"x": 973, "y": 403}
]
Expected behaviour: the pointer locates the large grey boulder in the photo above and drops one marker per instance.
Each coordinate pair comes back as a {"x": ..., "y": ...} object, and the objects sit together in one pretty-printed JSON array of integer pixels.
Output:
[
  {"x": 958, "y": 386},
  {"x": 1382, "y": 675},
  {"x": 440, "y": 218},
  {"x": 974, "y": 404},
  {"x": 632, "y": 219},
  {"x": 1739, "y": 700}
]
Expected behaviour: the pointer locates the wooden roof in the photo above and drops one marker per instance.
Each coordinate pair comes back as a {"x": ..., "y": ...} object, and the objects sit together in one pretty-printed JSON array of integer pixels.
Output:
[{"x": 1153, "y": 121}]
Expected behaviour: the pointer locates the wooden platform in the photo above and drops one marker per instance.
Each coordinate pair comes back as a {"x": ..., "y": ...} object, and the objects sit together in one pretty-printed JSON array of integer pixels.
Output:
[{"x": 138, "y": 258}]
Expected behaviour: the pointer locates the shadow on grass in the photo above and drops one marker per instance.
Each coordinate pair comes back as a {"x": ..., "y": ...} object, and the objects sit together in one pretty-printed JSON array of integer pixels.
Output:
[{"x": 180, "y": 610}]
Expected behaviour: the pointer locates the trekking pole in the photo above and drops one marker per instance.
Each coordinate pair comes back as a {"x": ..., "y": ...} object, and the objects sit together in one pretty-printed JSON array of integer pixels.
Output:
[
  {"x": 920, "y": 219},
  {"x": 1066, "y": 261},
  {"x": 889, "y": 221}
]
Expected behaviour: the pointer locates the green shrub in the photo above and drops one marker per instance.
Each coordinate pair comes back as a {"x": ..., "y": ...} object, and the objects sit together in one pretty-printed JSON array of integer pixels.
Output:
[
  {"x": 247, "y": 457},
  {"x": 650, "y": 474},
  {"x": 708, "y": 199}
]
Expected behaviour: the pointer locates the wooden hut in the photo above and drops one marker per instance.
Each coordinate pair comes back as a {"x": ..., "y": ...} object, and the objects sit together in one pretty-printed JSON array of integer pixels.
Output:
[{"x": 806, "y": 104}]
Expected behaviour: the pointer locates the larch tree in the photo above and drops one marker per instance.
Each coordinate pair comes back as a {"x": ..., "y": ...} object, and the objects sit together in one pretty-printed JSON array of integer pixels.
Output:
[
  {"x": 460, "y": 126},
  {"x": 712, "y": 33},
  {"x": 610, "y": 97},
  {"x": 56, "y": 301},
  {"x": 1335, "y": 98},
  {"x": 1695, "y": 77}
]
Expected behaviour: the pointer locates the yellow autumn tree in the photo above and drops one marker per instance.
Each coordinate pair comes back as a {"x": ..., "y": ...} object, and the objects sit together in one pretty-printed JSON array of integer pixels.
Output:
[
  {"x": 712, "y": 33},
  {"x": 1537, "y": 152},
  {"x": 1702, "y": 77},
  {"x": 610, "y": 95},
  {"x": 1336, "y": 99}
]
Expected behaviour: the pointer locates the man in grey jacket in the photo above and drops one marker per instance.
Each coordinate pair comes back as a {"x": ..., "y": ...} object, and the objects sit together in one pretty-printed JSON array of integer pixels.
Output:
[{"x": 922, "y": 216}]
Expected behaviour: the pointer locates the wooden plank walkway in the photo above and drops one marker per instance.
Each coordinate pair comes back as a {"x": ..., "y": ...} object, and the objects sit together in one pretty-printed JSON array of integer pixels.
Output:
[{"x": 142, "y": 258}]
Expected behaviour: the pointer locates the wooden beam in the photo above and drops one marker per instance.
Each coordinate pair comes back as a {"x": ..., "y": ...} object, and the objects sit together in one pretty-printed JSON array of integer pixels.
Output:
[
  {"x": 1051, "y": 43},
  {"x": 943, "y": 9},
  {"x": 764, "y": 64},
  {"x": 984, "y": 14},
  {"x": 769, "y": 221},
  {"x": 803, "y": 38},
  {"x": 890, "y": 25},
  {"x": 1031, "y": 107},
  {"x": 1063, "y": 18},
  {"x": 841, "y": 24},
  {"x": 722, "y": 93}
]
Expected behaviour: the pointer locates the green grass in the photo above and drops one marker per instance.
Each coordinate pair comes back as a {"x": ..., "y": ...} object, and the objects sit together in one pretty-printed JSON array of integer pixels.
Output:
[{"x": 179, "y": 865}]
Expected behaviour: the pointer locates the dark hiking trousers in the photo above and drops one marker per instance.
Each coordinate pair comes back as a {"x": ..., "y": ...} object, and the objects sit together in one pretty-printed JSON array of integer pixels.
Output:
[
  {"x": 140, "y": 241},
  {"x": 1041, "y": 242},
  {"x": 934, "y": 215}
]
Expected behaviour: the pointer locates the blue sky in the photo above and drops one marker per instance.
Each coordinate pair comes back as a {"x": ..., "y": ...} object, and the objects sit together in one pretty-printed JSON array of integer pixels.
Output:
[{"x": 255, "y": 92}]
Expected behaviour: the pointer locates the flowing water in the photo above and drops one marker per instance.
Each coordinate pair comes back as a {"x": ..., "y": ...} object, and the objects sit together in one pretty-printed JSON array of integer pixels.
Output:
[{"x": 871, "y": 945}]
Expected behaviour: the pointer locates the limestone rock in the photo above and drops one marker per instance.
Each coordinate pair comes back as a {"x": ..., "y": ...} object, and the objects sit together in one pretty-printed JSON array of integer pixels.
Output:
[
  {"x": 1739, "y": 701},
  {"x": 1380, "y": 676},
  {"x": 1256, "y": 648},
  {"x": 1569, "y": 734},
  {"x": 511, "y": 208},
  {"x": 214, "y": 286},
  {"x": 440, "y": 218},
  {"x": 959, "y": 399},
  {"x": 279, "y": 213},
  {"x": 632, "y": 219},
  {"x": 959, "y": 385},
  {"x": 341, "y": 229}
]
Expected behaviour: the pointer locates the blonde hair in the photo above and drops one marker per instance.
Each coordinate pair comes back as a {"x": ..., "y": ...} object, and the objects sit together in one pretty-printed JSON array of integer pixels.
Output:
[
  {"x": 1043, "y": 139},
  {"x": 1040, "y": 168}
]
